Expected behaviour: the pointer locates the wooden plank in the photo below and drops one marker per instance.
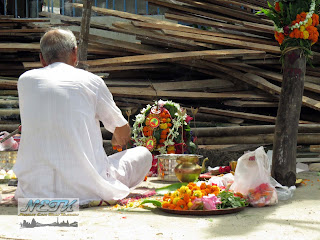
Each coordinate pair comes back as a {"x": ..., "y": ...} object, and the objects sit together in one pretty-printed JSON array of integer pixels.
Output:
[
  {"x": 236, "y": 114},
  {"x": 124, "y": 45},
  {"x": 307, "y": 160},
  {"x": 234, "y": 4},
  {"x": 223, "y": 42},
  {"x": 4, "y": 103},
  {"x": 183, "y": 28},
  {"x": 263, "y": 84},
  {"x": 249, "y": 130},
  {"x": 24, "y": 20},
  {"x": 187, "y": 45},
  {"x": 150, "y": 93},
  {"x": 124, "y": 15},
  {"x": 16, "y": 47},
  {"x": 253, "y": 104},
  {"x": 305, "y": 139},
  {"x": 191, "y": 10},
  {"x": 194, "y": 84},
  {"x": 223, "y": 11},
  {"x": 24, "y": 30},
  {"x": 171, "y": 57},
  {"x": 215, "y": 24},
  {"x": 274, "y": 76},
  {"x": 128, "y": 68},
  {"x": 5, "y": 84}
]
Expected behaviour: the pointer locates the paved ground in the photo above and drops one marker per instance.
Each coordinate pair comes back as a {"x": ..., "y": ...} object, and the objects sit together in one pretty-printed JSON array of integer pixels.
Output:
[{"x": 297, "y": 218}]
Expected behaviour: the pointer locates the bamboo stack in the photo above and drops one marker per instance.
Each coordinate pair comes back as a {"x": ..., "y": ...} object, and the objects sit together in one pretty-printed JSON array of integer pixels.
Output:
[{"x": 215, "y": 55}]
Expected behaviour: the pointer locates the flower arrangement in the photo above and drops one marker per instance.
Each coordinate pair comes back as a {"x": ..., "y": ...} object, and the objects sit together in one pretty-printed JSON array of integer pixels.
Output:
[
  {"x": 199, "y": 196},
  {"x": 295, "y": 23},
  {"x": 163, "y": 128}
]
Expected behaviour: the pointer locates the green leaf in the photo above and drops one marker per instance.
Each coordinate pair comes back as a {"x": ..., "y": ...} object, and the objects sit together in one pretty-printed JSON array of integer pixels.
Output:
[
  {"x": 154, "y": 202},
  {"x": 170, "y": 188}
]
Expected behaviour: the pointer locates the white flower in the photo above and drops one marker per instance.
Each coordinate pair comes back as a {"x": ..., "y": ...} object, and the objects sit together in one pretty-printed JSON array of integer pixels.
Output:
[{"x": 161, "y": 103}]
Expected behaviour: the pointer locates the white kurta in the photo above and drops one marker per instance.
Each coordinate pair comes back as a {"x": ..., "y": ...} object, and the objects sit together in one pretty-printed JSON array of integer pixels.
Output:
[{"x": 61, "y": 153}]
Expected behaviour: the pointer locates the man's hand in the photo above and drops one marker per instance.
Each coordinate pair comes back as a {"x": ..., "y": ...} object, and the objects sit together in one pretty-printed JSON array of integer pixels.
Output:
[{"x": 121, "y": 136}]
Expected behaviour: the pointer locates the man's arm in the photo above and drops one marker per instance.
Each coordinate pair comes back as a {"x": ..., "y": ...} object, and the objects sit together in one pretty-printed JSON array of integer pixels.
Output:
[{"x": 121, "y": 136}]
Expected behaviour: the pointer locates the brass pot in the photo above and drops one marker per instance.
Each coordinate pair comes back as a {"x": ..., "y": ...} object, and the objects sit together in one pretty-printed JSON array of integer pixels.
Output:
[{"x": 188, "y": 169}]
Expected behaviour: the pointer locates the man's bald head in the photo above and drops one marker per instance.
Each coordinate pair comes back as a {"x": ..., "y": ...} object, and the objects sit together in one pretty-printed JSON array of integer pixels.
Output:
[{"x": 58, "y": 45}]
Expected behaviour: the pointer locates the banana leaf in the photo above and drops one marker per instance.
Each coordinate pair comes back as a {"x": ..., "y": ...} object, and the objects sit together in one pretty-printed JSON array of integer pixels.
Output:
[
  {"x": 170, "y": 188},
  {"x": 154, "y": 202}
]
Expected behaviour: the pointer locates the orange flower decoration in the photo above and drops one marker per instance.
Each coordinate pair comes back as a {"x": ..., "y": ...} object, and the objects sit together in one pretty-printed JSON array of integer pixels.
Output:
[
  {"x": 277, "y": 7},
  {"x": 279, "y": 37}
]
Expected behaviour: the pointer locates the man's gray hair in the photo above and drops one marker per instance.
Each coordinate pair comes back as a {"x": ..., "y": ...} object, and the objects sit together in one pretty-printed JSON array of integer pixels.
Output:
[{"x": 57, "y": 44}]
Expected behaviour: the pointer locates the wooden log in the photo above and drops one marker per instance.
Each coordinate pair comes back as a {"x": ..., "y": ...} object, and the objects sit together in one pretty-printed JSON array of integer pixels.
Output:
[
  {"x": 237, "y": 114},
  {"x": 7, "y": 85},
  {"x": 249, "y": 130},
  {"x": 9, "y": 113},
  {"x": 151, "y": 93},
  {"x": 9, "y": 103},
  {"x": 304, "y": 139},
  {"x": 8, "y": 127},
  {"x": 13, "y": 93},
  {"x": 252, "y": 104},
  {"x": 84, "y": 34},
  {"x": 285, "y": 140}
]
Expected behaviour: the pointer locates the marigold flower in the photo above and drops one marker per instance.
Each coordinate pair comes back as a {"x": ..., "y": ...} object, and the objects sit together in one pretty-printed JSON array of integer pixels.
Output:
[
  {"x": 189, "y": 192},
  {"x": 305, "y": 34},
  {"x": 163, "y": 136},
  {"x": 163, "y": 125},
  {"x": 277, "y": 7},
  {"x": 165, "y": 204},
  {"x": 203, "y": 186},
  {"x": 175, "y": 200},
  {"x": 197, "y": 193},
  {"x": 315, "y": 19},
  {"x": 183, "y": 189},
  {"x": 186, "y": 198},
  {"x": 296, "y": 33},
  {"x": 172, "y": 206}
]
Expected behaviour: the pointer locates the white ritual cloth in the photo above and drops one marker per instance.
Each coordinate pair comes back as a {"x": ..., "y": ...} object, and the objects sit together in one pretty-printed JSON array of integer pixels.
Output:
[{"x": 61, "y": 152}]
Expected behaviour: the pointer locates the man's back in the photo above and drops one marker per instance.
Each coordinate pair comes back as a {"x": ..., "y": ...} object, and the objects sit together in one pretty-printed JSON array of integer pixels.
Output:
[{"x": 61, "y": 152}]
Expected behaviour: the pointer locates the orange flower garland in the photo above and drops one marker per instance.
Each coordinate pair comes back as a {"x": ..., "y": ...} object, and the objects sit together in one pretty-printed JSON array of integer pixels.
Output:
[{"x": 308, "y": 31}]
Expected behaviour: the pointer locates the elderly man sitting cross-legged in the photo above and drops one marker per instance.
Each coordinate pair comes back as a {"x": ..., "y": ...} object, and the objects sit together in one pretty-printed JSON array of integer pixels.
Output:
[{"x": 61, "y": 153}]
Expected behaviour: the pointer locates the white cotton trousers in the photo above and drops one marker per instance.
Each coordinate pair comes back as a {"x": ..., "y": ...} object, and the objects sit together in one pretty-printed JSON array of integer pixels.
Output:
[{"x": 130, "y": 166}]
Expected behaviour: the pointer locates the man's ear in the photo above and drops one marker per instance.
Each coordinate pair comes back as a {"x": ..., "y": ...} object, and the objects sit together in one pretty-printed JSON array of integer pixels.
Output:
[
  {"x": 43, "y": 62},
  {"x": 75, "y": 56}
]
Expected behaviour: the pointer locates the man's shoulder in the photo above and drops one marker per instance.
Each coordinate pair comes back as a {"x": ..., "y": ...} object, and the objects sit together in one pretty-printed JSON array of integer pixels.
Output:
[{"x": 30, "y": 73}]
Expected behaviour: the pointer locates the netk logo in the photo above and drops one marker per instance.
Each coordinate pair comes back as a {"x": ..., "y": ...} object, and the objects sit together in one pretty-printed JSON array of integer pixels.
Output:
[{"x": 42, "y": 212}]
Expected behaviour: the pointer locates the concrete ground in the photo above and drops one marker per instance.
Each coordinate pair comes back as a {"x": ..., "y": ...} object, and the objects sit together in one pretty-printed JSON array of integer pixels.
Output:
[{"x": 297, "y": 218}]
